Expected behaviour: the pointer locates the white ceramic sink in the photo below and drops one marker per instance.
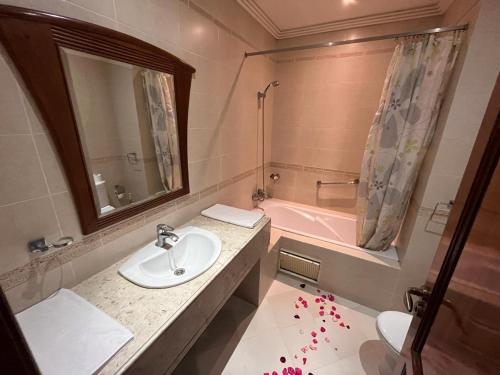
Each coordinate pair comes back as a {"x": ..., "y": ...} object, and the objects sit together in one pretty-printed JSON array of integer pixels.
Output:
[{"x": 193, "y": 253}]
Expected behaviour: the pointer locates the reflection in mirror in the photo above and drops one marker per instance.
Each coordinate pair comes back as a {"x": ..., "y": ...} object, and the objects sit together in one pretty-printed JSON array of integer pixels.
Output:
[{"x": 127, "y": 126}]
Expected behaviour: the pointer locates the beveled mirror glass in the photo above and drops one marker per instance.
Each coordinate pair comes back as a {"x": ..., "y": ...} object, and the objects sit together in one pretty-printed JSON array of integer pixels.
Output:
[{"x": 128, "y": 128}]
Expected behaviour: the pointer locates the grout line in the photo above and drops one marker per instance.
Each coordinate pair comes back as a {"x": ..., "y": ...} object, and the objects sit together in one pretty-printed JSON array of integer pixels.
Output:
[{"x": 37, "y": 151}]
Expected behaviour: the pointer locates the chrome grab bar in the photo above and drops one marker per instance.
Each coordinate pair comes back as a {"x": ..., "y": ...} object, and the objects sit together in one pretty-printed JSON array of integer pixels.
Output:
[{"x": 353, "y": 182}]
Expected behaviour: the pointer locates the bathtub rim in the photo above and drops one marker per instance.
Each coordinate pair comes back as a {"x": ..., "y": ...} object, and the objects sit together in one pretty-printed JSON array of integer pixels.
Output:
[{"x": 391, "y": 254}]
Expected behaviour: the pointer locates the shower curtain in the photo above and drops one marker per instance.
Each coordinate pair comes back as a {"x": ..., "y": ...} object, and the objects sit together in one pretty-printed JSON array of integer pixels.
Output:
[
  {"x": 400, "y": 134},
  {"x": 160, "y": 96}
]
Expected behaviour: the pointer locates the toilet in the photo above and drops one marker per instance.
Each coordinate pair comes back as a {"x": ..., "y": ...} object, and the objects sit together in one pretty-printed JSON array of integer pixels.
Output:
[
  {"x": 102, "y": 194},
  {"x": 392, "y": 327}
]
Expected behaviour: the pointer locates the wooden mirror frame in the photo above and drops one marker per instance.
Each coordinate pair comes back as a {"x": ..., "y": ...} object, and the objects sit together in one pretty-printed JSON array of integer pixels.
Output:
[{"x": 33, "y": 39}]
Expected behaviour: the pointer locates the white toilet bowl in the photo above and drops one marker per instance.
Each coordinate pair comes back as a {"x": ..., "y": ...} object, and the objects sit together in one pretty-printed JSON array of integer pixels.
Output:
[{"x": 392, "y": 327}]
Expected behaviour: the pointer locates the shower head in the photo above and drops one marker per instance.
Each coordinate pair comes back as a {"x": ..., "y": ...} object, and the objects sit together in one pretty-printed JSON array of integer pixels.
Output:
[{"x": 263, "y": 94}]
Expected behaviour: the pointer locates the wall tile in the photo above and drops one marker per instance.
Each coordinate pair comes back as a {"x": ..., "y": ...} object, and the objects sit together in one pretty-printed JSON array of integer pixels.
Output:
[
  {"x": 12, "y": 115},
  {"x": 23, "y": 222},
  {"x": 20, "y": 170},
  {"x": 51, "y": 165}
]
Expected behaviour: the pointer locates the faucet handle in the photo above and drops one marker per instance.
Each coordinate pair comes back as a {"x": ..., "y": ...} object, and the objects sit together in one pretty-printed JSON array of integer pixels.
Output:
[{"x": 164, "y": 228}]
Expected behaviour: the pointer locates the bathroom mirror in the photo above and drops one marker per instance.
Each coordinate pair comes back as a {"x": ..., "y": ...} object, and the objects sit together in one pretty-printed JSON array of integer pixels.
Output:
[
  {"x": 115, "y": 106},
  {"x": 128, "y": 128}
]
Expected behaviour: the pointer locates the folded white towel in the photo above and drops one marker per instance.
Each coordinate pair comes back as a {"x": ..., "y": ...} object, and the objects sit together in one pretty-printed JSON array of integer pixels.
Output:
[
  {"x": 68, "y": 335},
  {"x": 233, "y": 215}
]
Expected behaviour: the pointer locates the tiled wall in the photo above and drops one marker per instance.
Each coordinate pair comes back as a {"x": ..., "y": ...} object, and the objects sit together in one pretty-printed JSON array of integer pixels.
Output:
[
  {"x": 323, "y": 110},
  {"x": 223, "y": 132}
]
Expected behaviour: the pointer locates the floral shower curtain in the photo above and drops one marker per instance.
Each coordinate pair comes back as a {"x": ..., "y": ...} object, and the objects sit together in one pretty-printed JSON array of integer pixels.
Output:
[
  {"x": 161, "y": 105},
  {"x": 401, "y": 133}
]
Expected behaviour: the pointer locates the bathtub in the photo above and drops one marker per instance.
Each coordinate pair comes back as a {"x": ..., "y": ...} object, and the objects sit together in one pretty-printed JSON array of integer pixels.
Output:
[{"x": 325, "y": 225}]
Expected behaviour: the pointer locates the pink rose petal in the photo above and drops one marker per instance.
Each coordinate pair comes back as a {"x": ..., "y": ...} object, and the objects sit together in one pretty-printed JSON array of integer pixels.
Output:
[
  {"x": 337, "y": 316},
  {"x": 321, "y": 313},
  {"x": 331, "y": 297},
  {"x": 298, "y": 371},
  {"x": 291, "y": 371},
  {"x": 304, "y": 360},
  {"x": 312, "y": 347},
  {"x": 300, "y": 298},
  {"x": 322, "y": 329},
  {"x": 342, "y": 324},
  {"x": 322, "y": 307},
  {"x": 275, "y": 372},
  {"x": 314, "y": 334},
  {"x": 284, "y": 372},
  {"x": 317, "y": 300},
  {"x": 315, "y": 341},
  {"x": 323, "y": 296},
  {"x": 318, "y": 290}
]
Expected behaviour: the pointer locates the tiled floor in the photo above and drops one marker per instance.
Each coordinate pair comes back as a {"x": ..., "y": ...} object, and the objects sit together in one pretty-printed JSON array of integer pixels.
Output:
[{"x": 282, "y": 328}]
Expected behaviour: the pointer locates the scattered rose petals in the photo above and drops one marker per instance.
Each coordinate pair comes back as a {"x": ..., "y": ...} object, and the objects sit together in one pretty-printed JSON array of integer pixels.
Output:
[
  {"x": 296, "y": 316},
  {"x": 296, "y": 356},
  {"x": 323, "y": 296},
  {"x": 322, "y": 307},
  {"x": 318, "y": 290},
  {"x": 275, "y": 372},
  {"x": 321, "y": 312},
  {"x": 298, "y": 371},
  {"x": 317, "y": 300},
  {"x": 304, "y": 349},
  {"x": 266, "y": 373},
  {"x": 322, "y": 329},
  {"x": 322, "y": 299},
  {"x": 304, "y": 360},
  {"x": 291, "y": 371},
  {"x": 337, "y": 316},
  {"x": 334, "y": 308},
  {"x": 296, "y": 306},
  {"x": 342, "y": 324},
  {"x": 313, "y": 334},
  {"x": 315, "y": 341},
  {"x": 300, "y": 298},
  {"x": 312, "y": 347},
  {"x": 282, "y": 359},
  {"x": 284, "y": 372},
  {"x": 302, "y": 286},
  {"x": 332, "y": 313},
  {"x": 331, "y": 297}
]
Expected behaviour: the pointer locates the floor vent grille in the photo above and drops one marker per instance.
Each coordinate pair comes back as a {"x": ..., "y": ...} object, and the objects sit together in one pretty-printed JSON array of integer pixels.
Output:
[{"x": 299, "y": 266}]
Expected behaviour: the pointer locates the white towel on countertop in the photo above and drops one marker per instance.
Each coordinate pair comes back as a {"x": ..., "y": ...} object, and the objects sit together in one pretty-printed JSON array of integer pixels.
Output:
[
  {"x": 233, "y": 215},
  {"x": 68, "y": 335}
]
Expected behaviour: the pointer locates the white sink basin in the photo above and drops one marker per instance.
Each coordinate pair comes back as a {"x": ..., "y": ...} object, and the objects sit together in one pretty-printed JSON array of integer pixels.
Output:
[{"x": 193, "y": 253}]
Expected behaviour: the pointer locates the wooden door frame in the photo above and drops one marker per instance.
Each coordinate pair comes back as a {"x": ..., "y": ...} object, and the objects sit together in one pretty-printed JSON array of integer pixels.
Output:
[
  {"x": 477, "y": 177},
  {"x": 15, "y": 355}
]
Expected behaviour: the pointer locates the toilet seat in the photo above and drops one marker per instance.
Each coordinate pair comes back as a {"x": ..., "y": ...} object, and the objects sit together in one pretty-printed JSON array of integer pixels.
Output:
[{"x": 393, "y": 327}]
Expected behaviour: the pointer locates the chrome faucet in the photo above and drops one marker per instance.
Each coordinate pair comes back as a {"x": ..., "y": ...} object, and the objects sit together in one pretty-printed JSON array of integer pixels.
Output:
[{"x": 163, "y": 232}]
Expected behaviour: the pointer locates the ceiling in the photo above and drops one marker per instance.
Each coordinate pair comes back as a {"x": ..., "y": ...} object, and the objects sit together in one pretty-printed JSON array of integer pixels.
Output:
[{"x": 291, "y": 18}]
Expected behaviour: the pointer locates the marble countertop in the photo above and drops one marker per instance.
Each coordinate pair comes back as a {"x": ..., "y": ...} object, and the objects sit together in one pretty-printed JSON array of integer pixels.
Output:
[{"x": 148, "y": 312}]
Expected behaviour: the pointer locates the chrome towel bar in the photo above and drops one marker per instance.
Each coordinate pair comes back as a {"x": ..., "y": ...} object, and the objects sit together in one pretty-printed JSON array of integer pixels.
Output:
[{"x": 353, "y": 182}]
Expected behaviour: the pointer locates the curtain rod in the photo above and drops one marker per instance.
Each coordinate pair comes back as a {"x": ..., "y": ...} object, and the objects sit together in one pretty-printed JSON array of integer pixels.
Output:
[{"x": 359, "y": 40}]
